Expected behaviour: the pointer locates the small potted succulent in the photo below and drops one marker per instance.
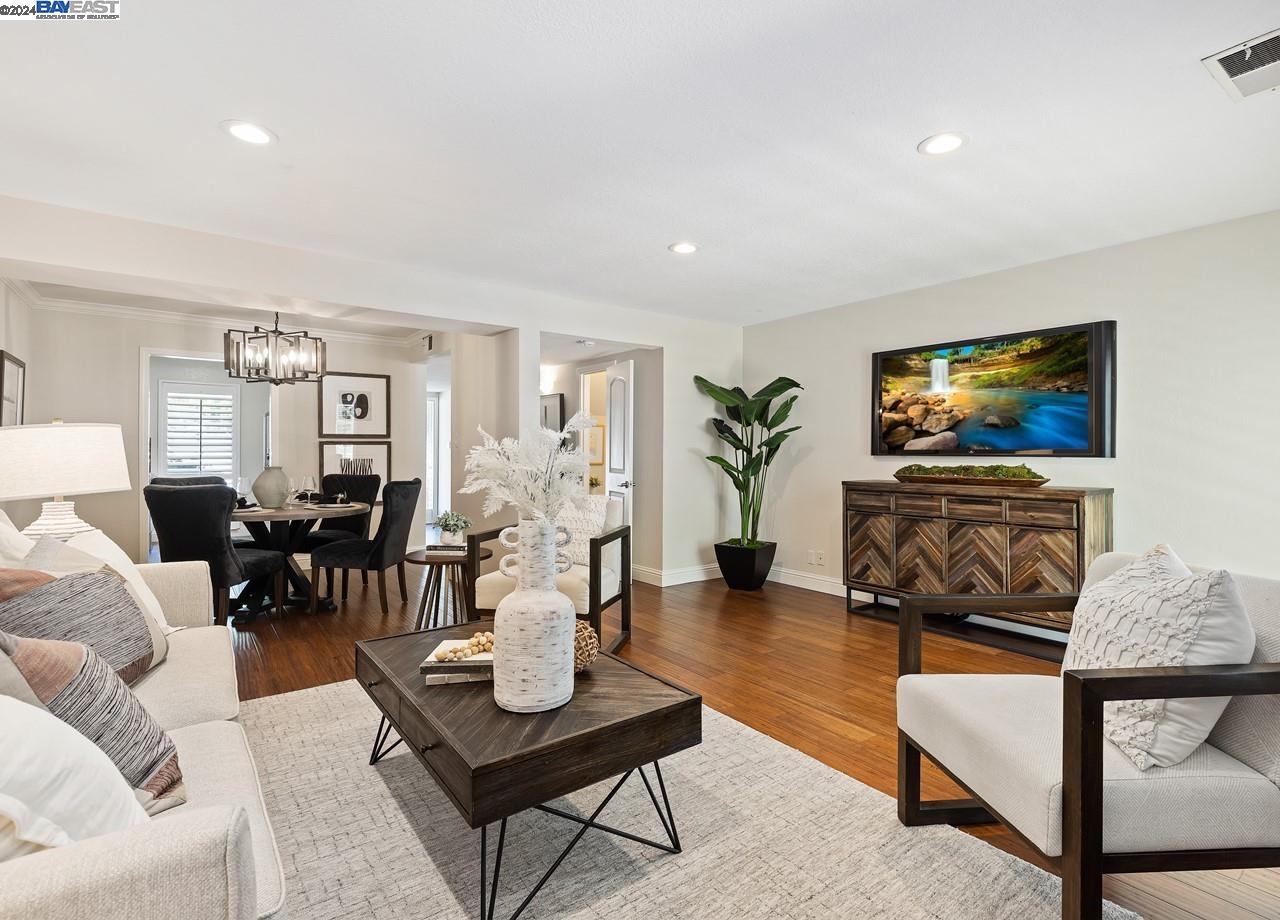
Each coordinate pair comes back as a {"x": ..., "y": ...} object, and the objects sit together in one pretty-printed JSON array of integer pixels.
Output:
[{"x": 452, "y": 528}]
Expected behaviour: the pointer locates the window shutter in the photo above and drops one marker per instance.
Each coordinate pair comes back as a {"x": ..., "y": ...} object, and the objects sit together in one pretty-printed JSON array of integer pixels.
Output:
[{"x": 199, "y": 431}]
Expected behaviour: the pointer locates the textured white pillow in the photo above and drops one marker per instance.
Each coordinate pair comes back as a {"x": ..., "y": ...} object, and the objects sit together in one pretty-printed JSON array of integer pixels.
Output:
[
  {"x": 13, "y": 545},
  {"x": 1155, "y": 613},
  {"x": 98, "y": 544},
  {"x": 583, "y": 524},
  {"x": 56, "y": 786}
]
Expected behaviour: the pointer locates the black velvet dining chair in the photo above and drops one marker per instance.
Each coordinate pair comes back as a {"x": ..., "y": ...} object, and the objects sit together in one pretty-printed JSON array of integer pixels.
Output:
[
  {"x": 201, "y": 481},
  {"x": 386, "y": 549},
  {"x": 193, "y": 524}
]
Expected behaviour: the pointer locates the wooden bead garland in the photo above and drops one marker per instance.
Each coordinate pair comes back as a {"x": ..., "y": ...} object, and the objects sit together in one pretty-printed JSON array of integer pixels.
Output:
[{"x": 586, "y": 646}]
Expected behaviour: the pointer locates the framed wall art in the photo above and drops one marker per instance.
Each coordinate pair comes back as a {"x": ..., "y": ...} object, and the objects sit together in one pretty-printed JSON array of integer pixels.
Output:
[
  {"x": 354, "y": 406},
  {"x": 13, "y": 390}
]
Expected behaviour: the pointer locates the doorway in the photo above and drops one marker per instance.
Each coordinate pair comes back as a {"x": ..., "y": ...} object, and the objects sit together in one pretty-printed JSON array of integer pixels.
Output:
[{"x": 437, "y": 480}]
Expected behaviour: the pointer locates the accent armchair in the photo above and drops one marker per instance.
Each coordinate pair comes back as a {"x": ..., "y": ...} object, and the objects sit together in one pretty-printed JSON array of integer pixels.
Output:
[
  {"x": 1031, "y": 753},
  {"x": 595, "y": 587}
]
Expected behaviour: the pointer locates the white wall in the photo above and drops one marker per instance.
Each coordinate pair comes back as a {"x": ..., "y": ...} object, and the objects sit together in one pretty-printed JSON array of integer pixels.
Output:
[
  {"x": 41, "y": 242},
  {"x": 15, "y": 338},
  {"x": 1197, "y": 448}
]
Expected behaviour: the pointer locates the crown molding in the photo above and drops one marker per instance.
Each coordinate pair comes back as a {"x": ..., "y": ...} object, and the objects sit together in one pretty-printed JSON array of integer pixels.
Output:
[{"x": 175, "y": 318}]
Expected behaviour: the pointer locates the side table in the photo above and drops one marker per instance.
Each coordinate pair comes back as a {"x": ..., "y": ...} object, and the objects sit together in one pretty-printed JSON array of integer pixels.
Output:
[{"x": 446, "y": 578}]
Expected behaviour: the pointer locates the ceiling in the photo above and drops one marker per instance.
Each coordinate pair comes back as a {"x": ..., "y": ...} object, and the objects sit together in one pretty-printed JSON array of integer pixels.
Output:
[
  {"x": 556, "y": 348},
  {"x": 563, "y": 145}
]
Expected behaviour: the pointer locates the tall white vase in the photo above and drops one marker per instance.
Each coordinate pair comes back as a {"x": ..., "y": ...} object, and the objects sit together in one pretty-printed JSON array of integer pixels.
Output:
[{"x": 534, "y": 624}]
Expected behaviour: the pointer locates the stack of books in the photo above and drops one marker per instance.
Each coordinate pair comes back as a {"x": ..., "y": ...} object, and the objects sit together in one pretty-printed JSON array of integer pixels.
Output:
[
  {"x": 447, "y": 548},
  {"x": 469, "y": 670}
]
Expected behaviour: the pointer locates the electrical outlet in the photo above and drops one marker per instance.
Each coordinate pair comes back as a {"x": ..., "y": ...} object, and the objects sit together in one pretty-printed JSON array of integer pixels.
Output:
[
  {"x": 811, "y": 557},
  {"x": 821, "y": 557}
]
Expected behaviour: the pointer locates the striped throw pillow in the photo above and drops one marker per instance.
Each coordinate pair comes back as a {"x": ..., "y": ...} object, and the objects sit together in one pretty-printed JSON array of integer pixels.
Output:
[{"x": 74, "y": 683}]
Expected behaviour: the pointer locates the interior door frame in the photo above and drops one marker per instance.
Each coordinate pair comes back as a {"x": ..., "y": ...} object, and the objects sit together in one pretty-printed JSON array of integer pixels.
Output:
[{"x": 145, "y": 354}]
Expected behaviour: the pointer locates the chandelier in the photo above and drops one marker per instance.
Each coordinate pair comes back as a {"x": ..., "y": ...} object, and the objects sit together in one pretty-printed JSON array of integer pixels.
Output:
[{"x": 272, "y": 356}]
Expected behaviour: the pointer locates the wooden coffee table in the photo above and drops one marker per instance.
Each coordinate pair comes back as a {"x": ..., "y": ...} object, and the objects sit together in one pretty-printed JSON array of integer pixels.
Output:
[{"x": 493, "y": 764}]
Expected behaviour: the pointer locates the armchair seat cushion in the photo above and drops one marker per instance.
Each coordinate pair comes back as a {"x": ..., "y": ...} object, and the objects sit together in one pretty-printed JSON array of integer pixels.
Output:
[
  {"x": 575, "y": 584},
  {"x": 195, "y": 683},
  {"x": 1001, "y": 735},
  {"x": 344, "y": 554},
  {"x": 219, "y": 770}
]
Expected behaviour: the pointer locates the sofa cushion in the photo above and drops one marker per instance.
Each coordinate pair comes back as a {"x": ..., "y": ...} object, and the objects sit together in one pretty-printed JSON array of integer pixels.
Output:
[
  {"x": 1002, "y": 736},
  {"x": 196, "y": 683},
  {"x": 99, "y": 545},
  {"x": 56, "y": 786},
  {"x": 221, "y": 772},
  {"x": 575, "y": 584},
  {"x": 583, "y": 523},
  {"x": 1155, "y": 613},
  {"x": 59, "y": 592},
  {"x": 72, "y": 682}
]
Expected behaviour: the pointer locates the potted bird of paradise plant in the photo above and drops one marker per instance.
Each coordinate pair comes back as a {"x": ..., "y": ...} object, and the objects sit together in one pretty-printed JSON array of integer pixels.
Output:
[{"x": 753, "y": 429}]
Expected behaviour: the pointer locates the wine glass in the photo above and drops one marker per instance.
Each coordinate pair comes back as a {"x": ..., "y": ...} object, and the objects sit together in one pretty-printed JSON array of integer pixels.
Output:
[
  {"x": 308, "y": 488},
  {"x": 293, "y": 488},
  {"x": 243, "y": 486}
]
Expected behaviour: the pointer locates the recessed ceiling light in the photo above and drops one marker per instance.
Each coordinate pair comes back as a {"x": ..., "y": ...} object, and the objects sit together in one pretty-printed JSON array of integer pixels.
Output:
[
  {"x": 683, "y": 249},
  {"x": 938, "y": 144},
  {"x": 248, "y": 132}
]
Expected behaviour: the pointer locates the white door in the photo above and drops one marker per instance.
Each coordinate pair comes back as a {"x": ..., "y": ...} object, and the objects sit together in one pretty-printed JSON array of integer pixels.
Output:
[{"x": 619, "y": 453}]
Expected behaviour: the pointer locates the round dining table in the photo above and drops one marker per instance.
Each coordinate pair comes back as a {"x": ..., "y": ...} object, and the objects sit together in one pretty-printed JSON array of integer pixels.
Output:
[{"x": 283, "y": 530}]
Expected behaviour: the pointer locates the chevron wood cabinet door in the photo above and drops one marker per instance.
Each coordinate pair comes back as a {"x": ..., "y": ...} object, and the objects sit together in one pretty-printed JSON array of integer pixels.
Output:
[
  {"x": 1042, "y": 561},
  {"x": 920, "y": 555},
  {"x": 975, "y": 558},
  {"x": 869, "y": 547}
]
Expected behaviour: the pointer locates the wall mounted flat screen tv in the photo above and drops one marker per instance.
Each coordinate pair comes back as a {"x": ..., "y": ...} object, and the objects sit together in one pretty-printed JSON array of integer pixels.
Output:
[{"x": 1050, "y": 392}]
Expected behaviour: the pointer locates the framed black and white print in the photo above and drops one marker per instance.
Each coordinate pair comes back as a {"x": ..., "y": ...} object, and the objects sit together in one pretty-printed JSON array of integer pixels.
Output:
[
  {"x": 551, "y": 408},
  {"x": 357, "y": 458},
  {"x": 13, "y": 390},
  {"x": 354, "y": 406}
]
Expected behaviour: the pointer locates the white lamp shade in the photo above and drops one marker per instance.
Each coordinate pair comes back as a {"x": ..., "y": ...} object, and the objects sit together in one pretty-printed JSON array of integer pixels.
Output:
[{"x": 38, "y": 461}]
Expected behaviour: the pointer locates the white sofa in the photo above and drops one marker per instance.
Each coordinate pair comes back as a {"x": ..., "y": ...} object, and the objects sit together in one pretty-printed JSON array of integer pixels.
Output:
[{"x": 212, "y": 858}]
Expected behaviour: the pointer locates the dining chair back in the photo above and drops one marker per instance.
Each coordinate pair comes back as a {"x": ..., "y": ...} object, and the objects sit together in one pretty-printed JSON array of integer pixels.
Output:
[
  {"x": 193, "y": 524},
  {"x": 188, "y": 481},
  {"x": 357, "y": 489}
]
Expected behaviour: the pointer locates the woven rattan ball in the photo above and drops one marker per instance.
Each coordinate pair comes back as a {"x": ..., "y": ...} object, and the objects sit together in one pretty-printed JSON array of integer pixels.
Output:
[{"x": 586, "y": 646}]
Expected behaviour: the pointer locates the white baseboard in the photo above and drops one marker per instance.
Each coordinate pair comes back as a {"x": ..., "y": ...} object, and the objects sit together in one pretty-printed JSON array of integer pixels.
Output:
[
  {"x": 825, "y": 584},
  {"x": 665, "y": 578}
]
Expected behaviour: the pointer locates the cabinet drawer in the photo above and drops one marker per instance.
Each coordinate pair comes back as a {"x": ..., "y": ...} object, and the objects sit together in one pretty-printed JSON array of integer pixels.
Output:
[
  {"x": 1047, "y": 514},
  {"x": 378, "y": 687},
  {"x": 927, "y": 505},
  {"x": 869, "y": 501},
  {"x": 444, "y": 763},
  {"x": 976, "y": 509}
]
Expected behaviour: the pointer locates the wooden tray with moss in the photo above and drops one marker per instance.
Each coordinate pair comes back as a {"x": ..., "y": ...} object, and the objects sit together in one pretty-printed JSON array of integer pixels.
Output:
[{"x": 968, "y": 475}]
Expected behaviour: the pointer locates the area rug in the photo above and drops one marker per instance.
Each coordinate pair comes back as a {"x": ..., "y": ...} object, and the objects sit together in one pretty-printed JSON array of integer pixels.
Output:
[{"x": 767, "y": 832}]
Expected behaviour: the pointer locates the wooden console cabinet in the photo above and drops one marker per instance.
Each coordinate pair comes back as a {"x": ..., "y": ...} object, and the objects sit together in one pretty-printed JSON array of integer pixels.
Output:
[{"x": 909, "y": 538}]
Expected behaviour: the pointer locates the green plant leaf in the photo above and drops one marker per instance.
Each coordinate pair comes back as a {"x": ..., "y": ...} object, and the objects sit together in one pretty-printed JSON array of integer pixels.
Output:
[
  {"x": 729, "y": 468},
  {"x": 753, "y": 466},
  {"x": 775, "y": 440},
  {"x": 770, "y": 454},
  {"x": 718, "y": 393},
  {"x": 754, "y": 410},
  {"x": 728, "y": 435},
  {"x": 735, "y": 412},
  {"x": 784, "y": 411},
  {"x": 777, "y": 388}
]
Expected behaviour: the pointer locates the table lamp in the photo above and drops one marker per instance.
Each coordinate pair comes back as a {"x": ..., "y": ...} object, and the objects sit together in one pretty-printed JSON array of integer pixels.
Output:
[{"x": 40, "y": 461}]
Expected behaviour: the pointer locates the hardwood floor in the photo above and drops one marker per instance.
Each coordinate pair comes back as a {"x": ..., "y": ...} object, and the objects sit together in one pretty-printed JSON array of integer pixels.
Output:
[{"x": 789, "y": 663}]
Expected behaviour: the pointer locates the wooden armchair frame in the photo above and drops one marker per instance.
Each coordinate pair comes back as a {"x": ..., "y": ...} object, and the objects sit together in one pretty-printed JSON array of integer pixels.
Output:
[
  {"x": 1082, "y": 863},
  {"x": 596, "y": 605}
]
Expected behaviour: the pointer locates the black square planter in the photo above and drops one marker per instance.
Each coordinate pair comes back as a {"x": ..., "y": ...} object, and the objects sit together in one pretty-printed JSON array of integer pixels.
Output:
[{"x": 745, "y": 568}]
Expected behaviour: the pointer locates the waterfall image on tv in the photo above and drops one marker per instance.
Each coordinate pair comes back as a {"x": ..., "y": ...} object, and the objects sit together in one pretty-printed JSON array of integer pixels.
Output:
[{"x": 1029, "y": 393}]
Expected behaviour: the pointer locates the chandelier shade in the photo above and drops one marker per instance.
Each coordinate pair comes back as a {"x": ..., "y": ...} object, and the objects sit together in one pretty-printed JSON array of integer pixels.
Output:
[{"x": 272, "y": 356}]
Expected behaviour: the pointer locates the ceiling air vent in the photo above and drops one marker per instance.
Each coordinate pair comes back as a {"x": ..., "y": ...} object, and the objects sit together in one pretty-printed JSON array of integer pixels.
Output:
[{"x": 1249, "y": 68}]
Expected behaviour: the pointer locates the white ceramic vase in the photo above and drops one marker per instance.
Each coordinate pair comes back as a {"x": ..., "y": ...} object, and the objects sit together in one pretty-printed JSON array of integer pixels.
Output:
[
  {"x": 271, "y": 488},
  {"x": 534, "y": 624}
]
